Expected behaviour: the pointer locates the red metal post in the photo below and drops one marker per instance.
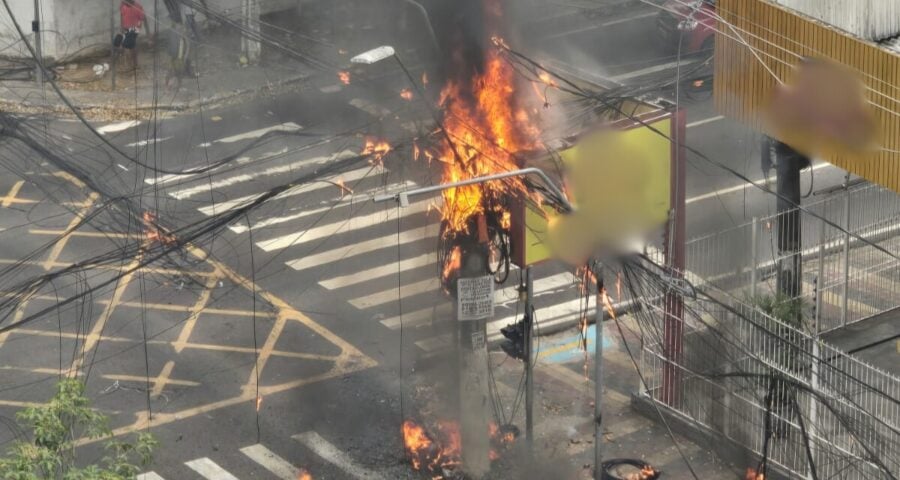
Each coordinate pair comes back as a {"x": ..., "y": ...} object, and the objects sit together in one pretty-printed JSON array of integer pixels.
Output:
[{"x": 673, "y": 330}]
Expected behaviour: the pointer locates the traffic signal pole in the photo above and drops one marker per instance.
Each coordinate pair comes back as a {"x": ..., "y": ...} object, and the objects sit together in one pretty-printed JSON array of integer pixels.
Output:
[
  {"x": 598, "y": 378},
  {"x": 529, "y": 359}
]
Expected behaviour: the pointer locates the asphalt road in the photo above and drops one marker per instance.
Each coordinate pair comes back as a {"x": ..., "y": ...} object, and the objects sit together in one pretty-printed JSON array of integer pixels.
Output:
[{"x": 334, "y": 350}]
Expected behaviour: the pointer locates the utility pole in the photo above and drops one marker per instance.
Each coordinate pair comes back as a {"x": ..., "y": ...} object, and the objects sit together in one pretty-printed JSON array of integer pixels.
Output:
[
  {"x": 113, "y": 52},
  {"x": 788, "y": 163},
  {"x": 598, "y": 376},
  {"x": 474, "y": 306},
  {"x": 250, "y": 46},
  {"x": 39, "y": 57},
  {"x": 529, "y": 359}
]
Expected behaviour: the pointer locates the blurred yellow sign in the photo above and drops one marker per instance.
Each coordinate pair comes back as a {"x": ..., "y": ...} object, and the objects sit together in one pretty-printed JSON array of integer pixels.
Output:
[{"x": 619, "y": 181}]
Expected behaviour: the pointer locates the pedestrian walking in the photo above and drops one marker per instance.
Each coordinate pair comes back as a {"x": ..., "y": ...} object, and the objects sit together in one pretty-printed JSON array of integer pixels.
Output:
[
  {"x": 179, "y": 48},
  {"x": 131, "y": 19}
]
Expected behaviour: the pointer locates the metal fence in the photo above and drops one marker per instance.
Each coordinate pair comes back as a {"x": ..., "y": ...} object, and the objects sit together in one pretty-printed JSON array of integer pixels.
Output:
[
  {"x": 735, "y": 355},
  {"x": 854, "y": 279}
]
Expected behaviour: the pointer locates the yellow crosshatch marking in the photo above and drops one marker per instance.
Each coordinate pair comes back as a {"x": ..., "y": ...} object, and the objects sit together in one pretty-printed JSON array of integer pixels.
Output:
[
  {"x": 11, "y": 196},
  {"x": 178, "y": 339}
]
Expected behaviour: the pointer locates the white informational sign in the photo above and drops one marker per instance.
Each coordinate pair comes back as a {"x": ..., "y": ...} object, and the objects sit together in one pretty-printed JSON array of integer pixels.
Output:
[{"x": 475, "y": 298}]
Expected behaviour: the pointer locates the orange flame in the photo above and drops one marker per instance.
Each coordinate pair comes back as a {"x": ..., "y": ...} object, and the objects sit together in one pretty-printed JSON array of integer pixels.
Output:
[
  {"x": 486, "y": 131},
  {"x": 607, "y": 304},
  {"x": 152, "y": 232},
  {"x": 406, "y": 94},
  {"x": 444, "y": 450},
  {"x": 452, "y": 264},
  {"x": 377, "y": 149},
  {"x": 344, "y": 77},
  {"x": 304, "y": 475},
  {"x": 753, "y": 475},
  {"x": 646, "y": 473},
  {"x": 258, "y": 402},
  {"x": 343, "y": 186}
]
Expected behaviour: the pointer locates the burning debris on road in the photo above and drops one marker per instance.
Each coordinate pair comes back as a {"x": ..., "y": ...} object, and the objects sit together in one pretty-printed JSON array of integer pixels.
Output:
[{"x": 440, "y": 453}]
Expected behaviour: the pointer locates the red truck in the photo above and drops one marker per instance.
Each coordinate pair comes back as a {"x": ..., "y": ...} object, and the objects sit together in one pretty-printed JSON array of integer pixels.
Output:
[{"x": 695, "y": 20}]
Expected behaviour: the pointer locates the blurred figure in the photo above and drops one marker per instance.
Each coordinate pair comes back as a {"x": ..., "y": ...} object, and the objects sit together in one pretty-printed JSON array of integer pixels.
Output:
[
  {"x": 131, "y": 19},
  {"x": 179, "y": 49}
]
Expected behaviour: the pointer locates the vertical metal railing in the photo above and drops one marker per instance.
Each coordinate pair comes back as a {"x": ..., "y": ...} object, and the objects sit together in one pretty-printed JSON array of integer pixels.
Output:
[{"x": 854, "y": 279}]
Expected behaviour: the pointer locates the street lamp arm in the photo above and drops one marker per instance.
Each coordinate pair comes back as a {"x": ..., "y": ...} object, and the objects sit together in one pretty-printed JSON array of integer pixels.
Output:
[
  {"x": 418, "y": 6},
  {"x": 403, "y": 197}
]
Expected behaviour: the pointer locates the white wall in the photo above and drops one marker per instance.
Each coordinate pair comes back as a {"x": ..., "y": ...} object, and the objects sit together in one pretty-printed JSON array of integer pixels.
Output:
[
  {"x": 79, "y": 26},
  {"x": 867, "y": 19}
]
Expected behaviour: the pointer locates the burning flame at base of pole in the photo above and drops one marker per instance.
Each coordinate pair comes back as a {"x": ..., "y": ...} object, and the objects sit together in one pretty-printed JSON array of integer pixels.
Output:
[
  {"x": 441, "y": 452},
  {"x": 753, "y": 475},
  {"x": 304, "y": 475}
]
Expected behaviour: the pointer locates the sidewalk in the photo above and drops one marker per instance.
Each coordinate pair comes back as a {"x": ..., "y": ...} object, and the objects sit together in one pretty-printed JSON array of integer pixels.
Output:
[{"x": 221, "y": 78}]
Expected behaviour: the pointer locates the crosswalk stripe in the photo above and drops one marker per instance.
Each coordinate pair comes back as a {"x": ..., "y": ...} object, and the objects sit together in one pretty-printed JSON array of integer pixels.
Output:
[
  {"x": 370, "y": 108},
  {"x": 502, "y": 296},
  {"x": 386, "y": 296},
  {"x": 282, "y": 127},
  {"x": 326, "y": 450},
  {"x": 345, "y": 224},
  {"x": 245, "y": 177},
  {"x": 350, "y": 176},
  {"x": 418, "y": 317},
  {"x": 270, "y": 221},
  {"x": 144, "y": 143},
  {"x": 148, "y": 476},
  {"x": 209, "y": 470},
  {"x": 279, "y": 467},
  {"x": 367, "y": 246},
  {"x": 380, "y": 271},
  {"x": 117, "y": 127}
]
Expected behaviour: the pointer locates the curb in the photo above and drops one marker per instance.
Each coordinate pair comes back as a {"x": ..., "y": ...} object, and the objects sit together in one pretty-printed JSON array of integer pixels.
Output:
[{"x": 90, "y": 110}]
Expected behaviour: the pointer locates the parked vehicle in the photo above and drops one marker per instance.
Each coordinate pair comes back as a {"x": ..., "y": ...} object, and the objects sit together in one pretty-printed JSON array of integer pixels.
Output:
[{"x": 693, "y": 20}]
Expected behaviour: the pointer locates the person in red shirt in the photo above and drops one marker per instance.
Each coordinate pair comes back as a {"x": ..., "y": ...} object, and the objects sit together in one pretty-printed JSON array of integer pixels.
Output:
[{"x": 132, "y": 19}]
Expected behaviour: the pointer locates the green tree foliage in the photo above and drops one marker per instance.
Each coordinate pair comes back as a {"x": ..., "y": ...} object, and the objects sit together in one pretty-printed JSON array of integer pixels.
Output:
[{"x": 56, "y": 427}]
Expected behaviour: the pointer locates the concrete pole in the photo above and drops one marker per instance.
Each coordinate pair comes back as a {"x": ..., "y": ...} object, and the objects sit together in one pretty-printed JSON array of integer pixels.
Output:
[
  {"x": 598, "y": 379},
  {"x": 250, "y": 45},
  {"x": 39, "y": 55},
  {"x": 529, "y": 359},
  {"x": 474, "y": 393},
  {"x": 112, "y": 48},
  {"x": 846, "y": 262}
]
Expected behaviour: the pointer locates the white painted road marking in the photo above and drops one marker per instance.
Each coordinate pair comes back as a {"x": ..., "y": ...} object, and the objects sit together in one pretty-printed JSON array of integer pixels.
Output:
[
  {"x": 393, "y": 268},
  {"x": 209, "y": 470},
  {"x": 329, "y": 452},
  {"x": 244, "y": 177},
  {"x": 738, "y": 188},
  {"x": 705, "y": 121},
  {"x": 430, "y": 284},
  {"x": 427, "y": 232},
  {"x": 144, "y": 143},
  {"x": 350, "y": 176},
  {"x": 117, "y": 127},
  {"x": 344, "y": 224},
  {"x": 282, "y": 127},
  {"x": 370, "y": 108},
  {"x": 652, "y": 69},
  {"x": 279, "y": 467},
  {"x": 606, "y": 24},
  {"x": 149, "y": 476}
]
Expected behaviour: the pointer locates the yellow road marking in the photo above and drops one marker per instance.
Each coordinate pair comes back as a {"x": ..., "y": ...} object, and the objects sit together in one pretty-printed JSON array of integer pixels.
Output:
[
  {"x": 41, "y": 231},
  {"x": 69, "y": 178},
  {"x": 162, "y": 271},
  {"x": 11, "y": 196},
  {"x": 94, "y": 337},
  {"x": 160, "y": 382},
  {"x": 61, "y": 243},
  {"x": 195, "y": 313}
]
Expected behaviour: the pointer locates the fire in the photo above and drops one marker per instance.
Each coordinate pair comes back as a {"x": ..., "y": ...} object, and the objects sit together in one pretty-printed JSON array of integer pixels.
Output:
[
  {"x": 152, "y": 231},
  {"x": 486, "y": 130},
  {"x": 406, "y": 94},
  {"x": 646, "y": 473},
  {"x": 451, "y": 266},
  {"x": 753, "y": 475},
  {"x": 344, "y": 77},
  {"x": 607, "y": 304},
  {"x": 258, "y": 402},
  {"x": 304, "y": 475},
  {"x": 443, "y": 451},
  {"x": 343, "y": 186},
  {"x": 377, "y": 149}
]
